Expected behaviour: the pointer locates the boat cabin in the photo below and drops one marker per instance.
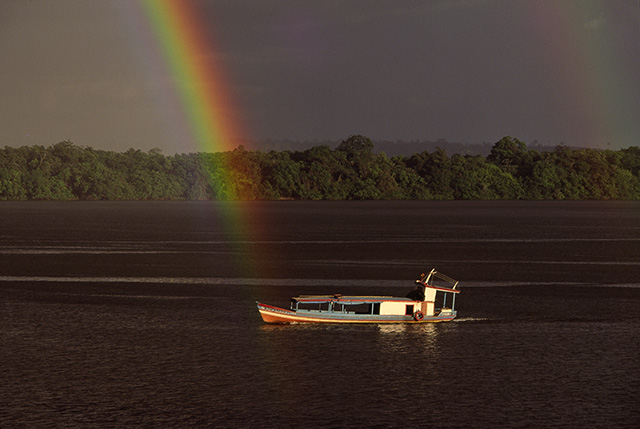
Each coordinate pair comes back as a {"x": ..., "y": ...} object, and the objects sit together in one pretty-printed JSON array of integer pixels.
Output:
[
  {"x": 433, "y": 296},
  {"x": 432, "y": 300}
]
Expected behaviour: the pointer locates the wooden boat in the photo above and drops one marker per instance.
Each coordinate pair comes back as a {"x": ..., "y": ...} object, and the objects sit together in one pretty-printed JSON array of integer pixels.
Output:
[{"x": 419, "y": 306}]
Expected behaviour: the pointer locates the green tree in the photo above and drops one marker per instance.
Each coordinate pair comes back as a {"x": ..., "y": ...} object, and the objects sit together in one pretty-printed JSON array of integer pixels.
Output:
[
  {"x": 356, "y": 145},
  {"x": 351, "y": 171},
  {"x": 281, "y": 176},
  {"x": 475, "y": 179},
  {"x": 544, "y": 181},
  {"x": 509, "y": 154}
]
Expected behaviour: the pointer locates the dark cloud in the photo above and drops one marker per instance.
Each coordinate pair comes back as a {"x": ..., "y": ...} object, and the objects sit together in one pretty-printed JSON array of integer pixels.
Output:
[{"x": 470, "y": 71}]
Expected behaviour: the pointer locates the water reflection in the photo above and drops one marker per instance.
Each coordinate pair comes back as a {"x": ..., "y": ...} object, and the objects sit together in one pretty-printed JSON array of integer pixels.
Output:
[
  {"x": 391, "y": 328},
  {"x": 422, "y": 339}
]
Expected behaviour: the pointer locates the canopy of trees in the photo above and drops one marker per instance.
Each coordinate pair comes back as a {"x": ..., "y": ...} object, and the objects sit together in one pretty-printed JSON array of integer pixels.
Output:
[{"x": 351, "y": 171}]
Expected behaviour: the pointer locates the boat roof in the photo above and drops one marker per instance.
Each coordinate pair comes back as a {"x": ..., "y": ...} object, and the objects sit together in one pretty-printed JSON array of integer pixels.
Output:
[
  {"x": 434, "y": 280},
  {"x": 319, "y": 299},
  {"x": 443, "y": 289}
]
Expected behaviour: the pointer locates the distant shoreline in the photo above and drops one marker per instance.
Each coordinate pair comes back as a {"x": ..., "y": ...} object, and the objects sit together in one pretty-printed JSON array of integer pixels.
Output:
[{"x": 350, "y": 171}]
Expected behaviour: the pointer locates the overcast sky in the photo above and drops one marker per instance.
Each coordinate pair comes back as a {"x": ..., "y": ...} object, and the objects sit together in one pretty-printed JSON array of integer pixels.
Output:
[{"x": 473, "y": 71}]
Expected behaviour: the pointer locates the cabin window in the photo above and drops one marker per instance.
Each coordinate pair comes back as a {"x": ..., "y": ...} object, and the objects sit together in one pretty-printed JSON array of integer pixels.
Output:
[
  {"x": 376, "y": 308},
  {"x": 313, "y": 306},
  {"x": 337, "y": 308},
  {"x": 361, "y": 308},
  {"x": 409, "y": 310}
]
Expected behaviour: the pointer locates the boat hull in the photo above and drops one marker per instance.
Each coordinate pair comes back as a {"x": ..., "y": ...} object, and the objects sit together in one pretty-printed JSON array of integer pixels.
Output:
[{"x": 271, "y": 314}]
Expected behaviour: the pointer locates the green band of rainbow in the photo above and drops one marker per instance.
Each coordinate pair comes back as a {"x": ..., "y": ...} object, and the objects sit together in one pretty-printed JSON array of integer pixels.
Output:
[
  {"x": 191, "y": 58},
  {"x": 198, "y": 79}
]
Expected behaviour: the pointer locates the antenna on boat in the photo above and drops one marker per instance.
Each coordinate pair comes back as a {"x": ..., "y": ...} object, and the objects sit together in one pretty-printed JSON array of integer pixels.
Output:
[{"x": 425, "y": 279}]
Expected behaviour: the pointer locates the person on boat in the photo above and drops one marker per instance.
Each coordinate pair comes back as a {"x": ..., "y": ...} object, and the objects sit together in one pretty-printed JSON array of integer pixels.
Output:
[{"x": 418, "y": 293}]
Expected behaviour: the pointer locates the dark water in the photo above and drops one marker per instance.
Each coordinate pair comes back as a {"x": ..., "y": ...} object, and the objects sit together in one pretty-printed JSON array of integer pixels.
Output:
[{"x": 143, "y": 314}]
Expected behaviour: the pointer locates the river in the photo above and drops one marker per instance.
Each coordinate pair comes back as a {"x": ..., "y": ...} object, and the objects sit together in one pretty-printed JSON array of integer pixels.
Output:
[{"x": 143, "y": 314}]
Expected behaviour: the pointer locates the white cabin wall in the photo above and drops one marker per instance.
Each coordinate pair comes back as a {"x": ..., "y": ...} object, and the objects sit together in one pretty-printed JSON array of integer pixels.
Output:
[
  {"x": 393, "y": 308},
  {"x": 429, "y": 294},
  {"x": 428, "y": 308}
]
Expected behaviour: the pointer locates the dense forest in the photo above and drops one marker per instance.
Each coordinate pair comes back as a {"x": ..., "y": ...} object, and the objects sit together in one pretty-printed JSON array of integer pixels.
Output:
[{"x": 350, "y": 171}]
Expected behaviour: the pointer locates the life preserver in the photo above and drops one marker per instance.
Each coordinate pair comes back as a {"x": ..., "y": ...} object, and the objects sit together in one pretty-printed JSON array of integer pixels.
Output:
[{"x": 418, "y": 316}]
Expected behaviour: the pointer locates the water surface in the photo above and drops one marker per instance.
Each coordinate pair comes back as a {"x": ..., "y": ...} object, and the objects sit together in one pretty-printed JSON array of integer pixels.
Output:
[{"x": 138, "y": 314}]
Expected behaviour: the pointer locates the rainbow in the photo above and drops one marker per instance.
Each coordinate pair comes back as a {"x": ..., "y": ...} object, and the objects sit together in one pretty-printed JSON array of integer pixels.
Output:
[
  {"x": 191, "y": 59},
  {"x": 205, "y": 107},
  {"x": 586, "y": 59},
  {"x": 197, "y": 75}
]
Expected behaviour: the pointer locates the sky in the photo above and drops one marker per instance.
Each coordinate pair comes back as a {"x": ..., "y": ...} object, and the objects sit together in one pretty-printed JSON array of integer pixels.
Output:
[{"x": 472, "y": 71}]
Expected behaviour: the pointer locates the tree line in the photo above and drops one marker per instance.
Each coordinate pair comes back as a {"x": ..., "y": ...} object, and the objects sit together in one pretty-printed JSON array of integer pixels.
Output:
[{"x": 350, "y": 171}]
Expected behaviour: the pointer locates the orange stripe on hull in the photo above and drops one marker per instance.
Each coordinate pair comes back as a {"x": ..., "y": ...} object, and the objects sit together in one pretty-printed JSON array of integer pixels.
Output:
[
  {"x": 291, "y": 317},
  {"x": 274, "y": 318}
]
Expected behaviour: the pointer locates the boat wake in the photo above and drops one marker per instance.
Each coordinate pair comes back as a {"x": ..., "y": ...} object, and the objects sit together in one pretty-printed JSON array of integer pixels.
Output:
[{"x": 470, "y": 319}]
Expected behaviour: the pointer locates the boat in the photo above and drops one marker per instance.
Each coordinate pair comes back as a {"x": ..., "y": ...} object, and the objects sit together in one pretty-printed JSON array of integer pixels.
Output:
[{"x": 419, "y": 306}]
